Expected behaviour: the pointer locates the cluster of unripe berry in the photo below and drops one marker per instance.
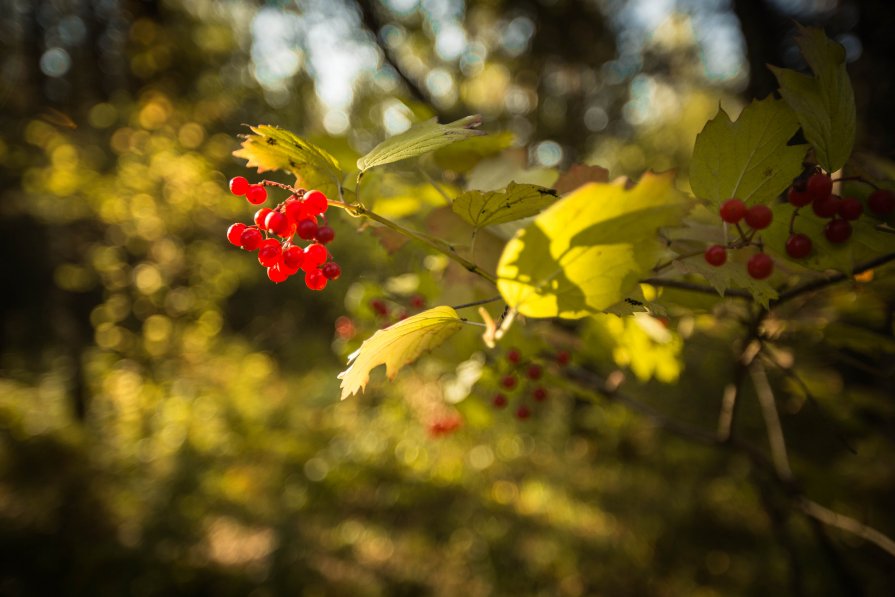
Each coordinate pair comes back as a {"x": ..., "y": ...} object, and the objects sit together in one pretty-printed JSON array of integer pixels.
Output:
[
  {"x": 532, "y": 373},
  {"x": 757, "y": 217},
  {"x": 274, "y": 231}
]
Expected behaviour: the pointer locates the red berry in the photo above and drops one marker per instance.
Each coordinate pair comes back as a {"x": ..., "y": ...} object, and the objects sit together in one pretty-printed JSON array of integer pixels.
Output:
[
  {"x": 417, "y": 301},
  {"x": 523, "y": 412},
  {"x": 379, "y": 307},
  {"x": 499, "y": 401},
  {"x": 732, "y": 211},
  {"x": 798, "y": 246},
  {"x": 881, "y": 202},
  {"x": 278, "y": 224},
  {"x": 295, "y": 211},
  {"x": 759, "y": 217},
  {"x": 315, "y": 255},
  {"x": 563, "y": 357},
  {"x": 239, "y": 185},
  {"x": 716, "y": 255},
  {"x": 539, "y": 394},
  {"x": 837, "y": 231},
  {"x": 261, "y": 217},
  {"x": 827, "y": 206},
  {"x": 534, "y": 371},
  {"x": 234, "y": 232},
  {"x": 250, "y": 239},
  {"x": 293, "y": 257},
  {"x": 256, "y": 194},
  {"x": 276, "y": 274},
  {"x": 850, "y": 208},
  {"x": 508, "y": 381},
  {"x": 331, "y": 270},
  {"x": 284, "y": 267},
  {"x": 798, "y": 197},
  {"x": 315, "y": 280},
  {"x": 514, "y": 356},
  {"x": 315, "y": 202},
  {"x": 819, "y": 185},
  {"x": 269, "y": 252},
  {"x": 307, "y": 229},
  {"x": 760, "y": 266},
  {"x": 325, "y": 234}
]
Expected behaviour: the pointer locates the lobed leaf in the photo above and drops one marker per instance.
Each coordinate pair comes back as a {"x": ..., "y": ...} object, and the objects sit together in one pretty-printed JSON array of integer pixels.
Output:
[
  {"x": 419, "y": 139},
  {"x": 749, "y": 158},
  {"x": 579, "y": 175},
  {"x": 732, "y": 274},
  {"x": 398, "y": 345},
  {"x": 517, "y": 201}
]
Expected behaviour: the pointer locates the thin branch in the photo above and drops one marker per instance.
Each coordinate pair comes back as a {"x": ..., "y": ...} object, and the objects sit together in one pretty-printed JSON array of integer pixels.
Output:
[
  {"x": 748, "y": 351},
  {"x": 768, "y": 403},
  {"x": 682, "y": 285},
  {"x": 829, "y": 281},
  {"x": 847, "y": 524},
  {"x": 477, "y": 303}
]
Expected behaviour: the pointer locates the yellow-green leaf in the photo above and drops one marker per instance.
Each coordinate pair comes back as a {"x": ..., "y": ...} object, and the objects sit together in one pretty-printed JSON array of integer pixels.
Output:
[
  {"x": 419, "y": 139},
  {"x": 749, "y": 158},
  {"x": 398, "y": 345},
  {"x": 824, "y": 103},
  {"x": 732, "y": 275},
  {"x": 588, "y": 251},
  {"x": 272, "y": 148},
  {"x": 517, "y": 201}
]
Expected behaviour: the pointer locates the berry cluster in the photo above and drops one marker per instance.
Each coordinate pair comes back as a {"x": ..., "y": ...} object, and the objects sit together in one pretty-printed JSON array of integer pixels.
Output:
[
  {"x": 757, "y": 217},
  {"x": 532, "y": 372},
  {"x": 274, "y": 232},
  {"x": 382, "y": 311},
  {"x": 817, "y": 190},
  {"x": 444, "y": 425}
]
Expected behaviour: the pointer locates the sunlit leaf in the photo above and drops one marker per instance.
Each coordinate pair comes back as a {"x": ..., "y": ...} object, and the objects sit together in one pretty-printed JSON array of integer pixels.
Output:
[
  {"x": 749, "y": 158},
  {"x": 419, "y": 139},
  {"x": 825, "y": 102},
  {"x": 517, "y": 201},
  {"x": 463, "y": 155},
  {"x": 579, "y": 175},
  {"x": 588, "y": 251},
  {"x": 398, "y": 345},
  {"x": 273, "y": 148},
  {"x": 640, "y": 342}
]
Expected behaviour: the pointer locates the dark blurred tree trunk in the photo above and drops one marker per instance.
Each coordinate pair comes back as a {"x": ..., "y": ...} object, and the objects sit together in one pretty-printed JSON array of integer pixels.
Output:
[
  {"x": 765, "y": 31},
  {"x": 872, "y": 76}
]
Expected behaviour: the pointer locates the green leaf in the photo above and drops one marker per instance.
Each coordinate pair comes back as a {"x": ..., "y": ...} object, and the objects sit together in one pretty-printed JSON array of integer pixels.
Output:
[
  {"x": 748, "y": 159},
  {"x": 588, "y": 251},
  {"x": 732, "y": 274},
  {"x": 273, "y": 148},
  {"x": 824, "y": 103},
  {"x": 419, "y": 139},
  {"x": 517, "y": 201},
  {"x": 398, "y": 345},
  {"x": 463, "y": 155}
]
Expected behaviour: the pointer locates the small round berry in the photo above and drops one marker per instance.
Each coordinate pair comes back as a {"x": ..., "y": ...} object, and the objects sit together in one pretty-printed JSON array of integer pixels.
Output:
[
  {"x": 295, "y": 211},
  {"x": 760, "y": 266},
  {"x": 278, "y": 224},
  {"x": 759, "y": 217},
  {"x": 331, "y": 270},
  {"x": 261, "y": 217},
  {"x": 315, "y": 255},
  {"x": 514, "y": 356},
  {"x": 284, "y": 267},
  {"x": 379, "y": 307},
  {"x": 293, "y": 257},
  {"x": 499, "y": 401},
  {"x": 715, "y": 255},
  {"x": 850, "y": 208},
  {"x": 539, "y": 394},
  {"x": 417, "y": 301},
  {"x": 563, "y": 358},
  {"x": 798, "y": 246},
  {"x": 325, "y": 234},
  {"x": 827, "y": 206},
  {"x": 234, "y": 232},
  {"x": 269, "y": 252},
  {"x": 256, "y": 194},
  {"x": 837, "y": 231},
  {"x": 819, "y": 185},
  {"x": 508, "y": 382},
  {"x": 315, "y": 202},
  {"x": 798, "y": 197},
  {"x": 276, "y": 274},
  {"x": 732, "y": 211},
  {"x": 315, "y": 280},
  {"x": 239, "y": 185},
  {"x": 307, "y": 229},
  {"x": 534, "y": 371},
  {"x": 250, "y": 239},
  {"x": 881, "y": 202},
  {"x": 523, "y": 412}
]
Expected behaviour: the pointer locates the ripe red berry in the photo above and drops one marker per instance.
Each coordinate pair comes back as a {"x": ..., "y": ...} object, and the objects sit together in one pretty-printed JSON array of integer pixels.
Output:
[
  {"x": 284, "y": 267},
  {"x": 837, "y": 231},
  {"x": 269, "y": 252},
  {"x": 827, "y": 206},
  {"x": 331, "y": 270},
  {"x": 499, "y": 401},
  {"x": 563, "y": 357},
  {"x": 716, "y": 255},
  {"x": 514, "y": 356},
  {"x": 295, "y": 211},
  {"x": 881, "y": 202},
  {"x": 325, "y": 234},
  {"x": 315, "y": 280},
  {"x": 250, "y": 239},
  {"x": 523, "y": 412},
  {"x": 508, "y": 382},
  {"x": 293, "y": 257},
  {"x": 261, "y": 217},
  {"x": 278, "y": 224},
  {"x": 234, "y": 232},
  {"x": 379, "y": 307},
  {"x": 315, "y": 202},
  {"x": 732, "y": 211},
  {"x": 798, "y": 246},
  {"x": 850, "y": 208},
  {"x": 819, "y": 185},
  {"x": 417, "y": 301},
  {"x": 239, "y": 185},
  {"x": 798, "y": 197},
  {"x": 534, "y": 371},
  {"x": 276, "y": 274},
  {"x": 539, "y": 394},
  {"x": 307, "y": 229},
  {"x": 256, "y": 194},
  {"x": 759, "y": 217},
  {"x": 315, "y": 255},
  {"x": 760, "y": 266}
]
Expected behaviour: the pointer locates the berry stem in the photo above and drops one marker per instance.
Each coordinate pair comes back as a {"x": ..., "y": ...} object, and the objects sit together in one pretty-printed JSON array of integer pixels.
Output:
[
  {"x": 856, "y": 179},
  {"x": 477, "y": 303},
  {"x": 681, "y": 257},
  {"x": 792, "y": 220},
  {"x": 742, "y": 234}
]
